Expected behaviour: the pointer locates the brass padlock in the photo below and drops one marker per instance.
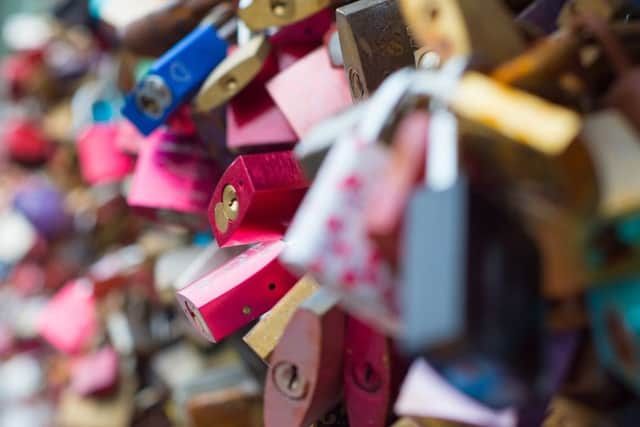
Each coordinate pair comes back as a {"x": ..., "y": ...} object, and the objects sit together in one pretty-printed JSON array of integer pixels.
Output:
[
  {"x": 459, "y": 27},
  {"x": 262, "y": 14},
  {"x": 233, "y": 74},
  {"x": 374, "y": 42},
  {"x": 264, "y": 336}
]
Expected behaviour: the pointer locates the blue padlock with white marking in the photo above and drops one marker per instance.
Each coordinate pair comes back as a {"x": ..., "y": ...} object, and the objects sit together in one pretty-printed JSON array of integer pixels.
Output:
[{"x": 175, "y": 76}]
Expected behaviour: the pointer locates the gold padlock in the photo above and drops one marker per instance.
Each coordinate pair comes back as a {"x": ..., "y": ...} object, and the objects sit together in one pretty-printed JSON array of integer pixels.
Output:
[
  {"x": 262, "y": 14},
  {"x": 459, "y": 27},
  {"x": 233, "y": 74},
  {"x": 264, "y": 336}
]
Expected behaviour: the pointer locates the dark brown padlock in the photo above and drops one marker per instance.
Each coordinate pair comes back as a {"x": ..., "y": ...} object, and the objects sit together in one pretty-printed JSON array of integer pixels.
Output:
[
  {"x": 156, "y": 32},
  {"x": 374, "y": 42}
]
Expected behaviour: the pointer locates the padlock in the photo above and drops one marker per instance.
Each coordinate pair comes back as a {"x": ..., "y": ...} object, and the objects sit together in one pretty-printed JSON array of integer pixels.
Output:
[
  {"x": 238, "y": 292},
  {"x": 264, "y": 336},
  {"x": 458, "y": 27},
  {"x": 44, "y": 206},
  {"x": 127, "y": 138},
  {"x": 100, "y": 159},
  {"x": 305, "y": 382},
  {"x": 374, "y": 42},
  {"x": 309, "y": 31},
  {"x": 372, "y": 375},
  {"x": 328, "y": 236},
  {"x": 233, "y": 406},
  {"x": 423, "y": 382},
  {"x": 261, "y": 14},
  {"x": 25, "y": 141},
  {"x": 233, "y": 74},
  {"x": 310, "y": 90},
  {"x": 69, "y": 321},
  {"x": 256, "y": 198},
  {"x": 181, "y": 170},
  {"x": 209, "y": 259},
  {"x": 156, "y": 32},
  {"x": 117, "y": 411},
  {"x": 95, "y": 374},
  {"x": 611, "y": 308},
  {"x": 385, "y": 211},
  {"x": 253, "y": 118},
  {"x": 174, "y": 77},
  {"x": 438, "y": 210},
  {"x": 116, "y": 269}
]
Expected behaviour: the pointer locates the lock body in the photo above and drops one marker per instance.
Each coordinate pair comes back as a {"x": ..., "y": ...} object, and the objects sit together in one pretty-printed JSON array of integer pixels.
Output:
[
  {"x": 309, "y": 91},
  {"x": 305, "y": 382},
  {"x": 256, "y": 198},
  {"x": 173, "y": 78},
  {"x": 374, "y": 42},
  {"x": 236, "y": 293},
  {"x": 101, "y": 161},
  {"x": 174, "y": 173},
  {"x": 264, "y": 337}
]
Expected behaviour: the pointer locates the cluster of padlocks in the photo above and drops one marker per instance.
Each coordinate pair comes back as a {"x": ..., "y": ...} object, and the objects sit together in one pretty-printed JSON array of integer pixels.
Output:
[{"x": 297, "y": 213}]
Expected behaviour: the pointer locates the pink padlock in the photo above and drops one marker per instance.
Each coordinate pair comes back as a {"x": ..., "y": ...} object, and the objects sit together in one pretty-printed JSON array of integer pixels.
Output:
[
  {"x": 254, "y": 121},
  {"x": 95, "y": 373},
  {"x": 101, "y": 160},
  {"x": 256, "y": 198},
  {"x": 238, "y": 292},
  {"x": 69, "y": 321},
  {"x": 310, "y": 90},
  {"x": 174, "y": 174},
  {"x": 128, "y": 138}
]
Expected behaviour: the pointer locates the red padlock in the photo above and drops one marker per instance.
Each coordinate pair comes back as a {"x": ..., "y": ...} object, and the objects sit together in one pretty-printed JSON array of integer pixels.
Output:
[
  {"x": 371, "y": 375},
  {"x": 387, "y": 206},
  {"x": 304, "y": 381},
  {"x": 101, "y": 161},
  {"x": 310, "y": 90},
  {"x": 256, "y": 198},
  {"x": 69, "y": 321},
  {"x": 240, "y": 291},
  {"x": 25, "y": 141}
]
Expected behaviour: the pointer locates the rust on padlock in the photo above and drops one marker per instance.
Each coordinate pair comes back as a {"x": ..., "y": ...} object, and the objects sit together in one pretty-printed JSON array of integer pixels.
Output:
[
  {"x": 305, "y": 381},
  {"x": 264, "y": 337},
  {"x": 374, "y": 42},
  {"x": 459, "y": 27}
]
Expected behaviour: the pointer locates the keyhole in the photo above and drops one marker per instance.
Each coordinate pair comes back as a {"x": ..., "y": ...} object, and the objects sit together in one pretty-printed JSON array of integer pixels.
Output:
[
  {"x": 293, "y": 380},
  {"x": 368, "y": 373}
]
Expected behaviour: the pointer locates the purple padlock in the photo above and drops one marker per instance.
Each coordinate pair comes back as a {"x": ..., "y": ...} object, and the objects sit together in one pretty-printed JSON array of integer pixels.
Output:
[{"x": 44, "y": 206}]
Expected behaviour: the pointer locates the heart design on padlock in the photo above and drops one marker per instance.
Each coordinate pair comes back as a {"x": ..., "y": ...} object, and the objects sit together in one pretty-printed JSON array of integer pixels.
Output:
[{"x": 228, "y": 209}]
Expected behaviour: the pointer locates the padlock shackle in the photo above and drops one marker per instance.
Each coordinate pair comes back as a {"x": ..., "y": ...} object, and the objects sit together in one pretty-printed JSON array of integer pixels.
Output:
[{"x": 611, "y": 45}]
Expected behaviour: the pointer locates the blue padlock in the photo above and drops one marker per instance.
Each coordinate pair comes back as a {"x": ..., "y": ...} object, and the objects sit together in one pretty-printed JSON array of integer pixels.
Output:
[
  {"x": 614, "y": 310},
  {"x": 174, "y": 77}
]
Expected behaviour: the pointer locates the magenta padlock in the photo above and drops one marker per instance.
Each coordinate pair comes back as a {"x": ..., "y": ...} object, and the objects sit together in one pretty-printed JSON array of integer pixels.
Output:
[
  {"x": 101, "y": 161},
  {"x": 310, "y": 91},
  {"x": 238, "y": 292},
  {"x": 174, "y": 175},
  {"x": 69, "y": 321},
  {"x": 256, "y": 198},
  {"x": 253, "y": 119}
]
